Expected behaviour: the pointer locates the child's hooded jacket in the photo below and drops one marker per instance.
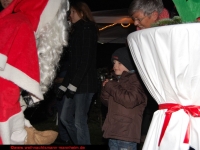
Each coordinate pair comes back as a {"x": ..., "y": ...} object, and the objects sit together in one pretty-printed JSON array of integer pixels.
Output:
[{"x": 126, "y": 100}]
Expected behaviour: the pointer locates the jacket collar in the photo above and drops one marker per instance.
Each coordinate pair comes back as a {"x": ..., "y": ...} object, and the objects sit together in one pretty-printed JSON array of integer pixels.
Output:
[{"x": 124, "y": 74}]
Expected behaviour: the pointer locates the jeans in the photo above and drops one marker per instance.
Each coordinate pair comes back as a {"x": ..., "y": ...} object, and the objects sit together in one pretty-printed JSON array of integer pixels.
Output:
[
  {"x": 121, "y": 145},
  {"x": 62, "y": 131},
  {"x": 74, "y": 116}
]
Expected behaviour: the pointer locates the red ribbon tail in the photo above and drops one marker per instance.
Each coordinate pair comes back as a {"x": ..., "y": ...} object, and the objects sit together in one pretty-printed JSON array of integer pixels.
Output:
[
  {"x": 166, "y": 122},
  {"x": 187, "y": 134}
]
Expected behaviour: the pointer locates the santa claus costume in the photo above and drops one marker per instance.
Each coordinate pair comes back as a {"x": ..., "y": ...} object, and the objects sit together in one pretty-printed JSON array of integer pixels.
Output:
[{"x": 21, "y": 23}]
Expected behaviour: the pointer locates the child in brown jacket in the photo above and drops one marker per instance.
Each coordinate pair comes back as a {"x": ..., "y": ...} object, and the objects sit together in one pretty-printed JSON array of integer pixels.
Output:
[{"x": 125, "y": 97}]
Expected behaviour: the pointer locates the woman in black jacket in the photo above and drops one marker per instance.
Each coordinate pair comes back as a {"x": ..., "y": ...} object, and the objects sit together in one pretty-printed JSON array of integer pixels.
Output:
[{"x": 80, "y": 83}]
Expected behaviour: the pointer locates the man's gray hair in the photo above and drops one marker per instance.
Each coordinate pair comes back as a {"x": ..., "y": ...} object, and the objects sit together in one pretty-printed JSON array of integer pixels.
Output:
[{"x": 146, "y": 6}]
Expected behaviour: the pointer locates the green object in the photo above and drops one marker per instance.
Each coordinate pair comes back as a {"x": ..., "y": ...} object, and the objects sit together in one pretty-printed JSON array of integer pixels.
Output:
[
  {"x": 189, "y": 10},
  {"x": 169, "y": 21}
]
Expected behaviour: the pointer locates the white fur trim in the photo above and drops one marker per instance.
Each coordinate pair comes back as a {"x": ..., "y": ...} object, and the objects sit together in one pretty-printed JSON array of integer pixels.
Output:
[
  {"x": 63, "y": 88},
  {"x": 12, "y": 131},
  {"x": 48, "y": 14},
  {"x": 3, "y": 60},
  {"x": 22, "y": 80},
  {"x": 72, "y": 88}
]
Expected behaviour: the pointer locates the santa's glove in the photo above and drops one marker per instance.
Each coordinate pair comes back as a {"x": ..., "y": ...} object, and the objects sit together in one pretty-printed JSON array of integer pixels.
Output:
[
  {"x": 70, "y": 94},
  {"x": 60, "y": 92}
]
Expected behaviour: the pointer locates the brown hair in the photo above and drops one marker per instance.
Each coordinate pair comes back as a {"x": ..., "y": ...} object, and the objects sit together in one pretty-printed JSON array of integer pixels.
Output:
[{"x": 83, "y": 11}]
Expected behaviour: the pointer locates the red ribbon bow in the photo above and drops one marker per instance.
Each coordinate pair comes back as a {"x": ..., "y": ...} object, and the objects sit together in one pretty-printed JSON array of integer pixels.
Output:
[{"x": 192, "y": 110}]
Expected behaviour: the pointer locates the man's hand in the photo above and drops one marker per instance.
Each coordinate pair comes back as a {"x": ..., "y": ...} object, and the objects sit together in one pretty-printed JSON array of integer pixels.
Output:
[{"x": 69, "y": 94}]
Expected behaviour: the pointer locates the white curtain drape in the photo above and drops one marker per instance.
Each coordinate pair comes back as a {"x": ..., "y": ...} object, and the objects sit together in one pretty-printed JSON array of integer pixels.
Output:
[{"x": 168, "y": 60}]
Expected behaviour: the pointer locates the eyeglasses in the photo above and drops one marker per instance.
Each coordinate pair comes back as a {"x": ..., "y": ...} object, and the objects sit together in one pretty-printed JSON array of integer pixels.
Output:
[{"x": 138, "y": 19}]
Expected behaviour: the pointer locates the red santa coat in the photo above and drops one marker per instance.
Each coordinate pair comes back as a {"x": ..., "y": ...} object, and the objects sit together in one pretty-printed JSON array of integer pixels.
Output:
[
  {"x": 18, "y": 52},
  {"x": 19, "y": 66}
]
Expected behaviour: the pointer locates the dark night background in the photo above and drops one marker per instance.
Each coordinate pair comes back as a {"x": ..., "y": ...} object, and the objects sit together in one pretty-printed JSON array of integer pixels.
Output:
[
  {"x": 96, "y": 5},
  {"x": 105, "y": 50}
]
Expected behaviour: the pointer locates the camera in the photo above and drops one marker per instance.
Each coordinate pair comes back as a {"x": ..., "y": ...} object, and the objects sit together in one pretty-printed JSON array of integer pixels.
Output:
[{"x": 28, "y": 99}]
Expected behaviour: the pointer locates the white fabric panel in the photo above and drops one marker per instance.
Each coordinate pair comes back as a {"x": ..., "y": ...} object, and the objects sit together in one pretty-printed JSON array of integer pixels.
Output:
[
  {"x": 12, "y": 131},
  {"x": 168, "y": 60}
]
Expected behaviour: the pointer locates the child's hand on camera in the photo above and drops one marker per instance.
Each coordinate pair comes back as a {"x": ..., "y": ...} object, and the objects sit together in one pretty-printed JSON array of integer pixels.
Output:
[{"x": 104, "y": 82}]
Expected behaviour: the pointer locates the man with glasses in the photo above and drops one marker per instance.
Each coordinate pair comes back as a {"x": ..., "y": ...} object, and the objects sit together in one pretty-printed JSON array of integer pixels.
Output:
[{"x": 146, "y": 12}]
